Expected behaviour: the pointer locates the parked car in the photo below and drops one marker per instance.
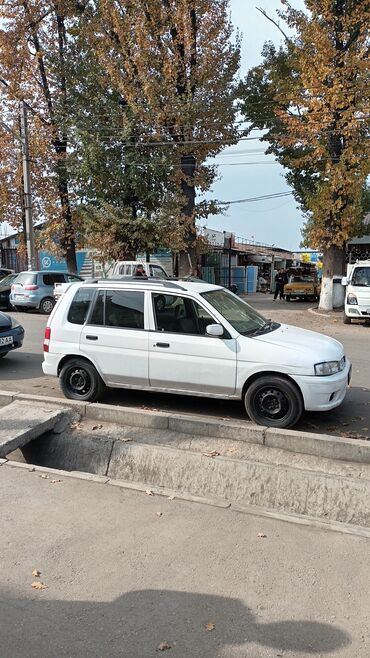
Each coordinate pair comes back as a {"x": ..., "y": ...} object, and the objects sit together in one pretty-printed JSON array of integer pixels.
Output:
[
  {"x": 4, "y": 272},
  {"x": 11, "y": 334},
  {"x": 203, "y": 340},
  {"x": 127, "y": 268},
  {"x": 302, "y": 286},
  {"x": 357, "y": 294},
  {"x": 5, "y": 288},
  {"x": 36, "y": 289}
]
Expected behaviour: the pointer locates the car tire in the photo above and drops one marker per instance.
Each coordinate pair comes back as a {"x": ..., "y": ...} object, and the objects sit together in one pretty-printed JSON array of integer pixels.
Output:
[
  {"x": 2, "y": 354},
  {"x": 273, "y": 401},
  {"x": 46, "y": 305},
  {"x": 79, "y": 380},
  {"x": 346, "y": 319}
]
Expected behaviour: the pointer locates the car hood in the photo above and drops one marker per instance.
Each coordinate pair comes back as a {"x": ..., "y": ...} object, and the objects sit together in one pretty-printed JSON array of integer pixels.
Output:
[
  {"x": 295, "y": 347},
  {"x": 5, "y": 321}
]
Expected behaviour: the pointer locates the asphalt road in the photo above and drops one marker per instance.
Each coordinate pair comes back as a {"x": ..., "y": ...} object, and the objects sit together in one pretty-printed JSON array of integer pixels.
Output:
[
  {"x": 21, "y": 371},
  {"x": 126, "y": 572}
]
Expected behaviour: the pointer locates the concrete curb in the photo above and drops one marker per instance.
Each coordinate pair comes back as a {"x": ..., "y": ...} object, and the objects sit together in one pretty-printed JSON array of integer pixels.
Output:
[
  {"x": 214, "y": 502},
  {"x": 318, "y": 445}
]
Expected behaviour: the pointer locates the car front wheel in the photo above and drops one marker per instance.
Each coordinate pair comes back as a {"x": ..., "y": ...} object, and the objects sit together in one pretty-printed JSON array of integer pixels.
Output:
[
  {"x": 346, "y": 319},
  {"x": 273, "y": 401},
  {"x": 80, "y": 381}
]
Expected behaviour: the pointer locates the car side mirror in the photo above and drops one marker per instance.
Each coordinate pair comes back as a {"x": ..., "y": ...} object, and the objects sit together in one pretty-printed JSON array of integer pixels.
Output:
[
  {"x": 215, "y": 330},
  {"x": 345, "y": 281}
]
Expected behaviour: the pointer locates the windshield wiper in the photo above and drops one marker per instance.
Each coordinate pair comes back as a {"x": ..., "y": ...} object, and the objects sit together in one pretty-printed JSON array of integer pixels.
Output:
[{"x": 269, "y": 325}]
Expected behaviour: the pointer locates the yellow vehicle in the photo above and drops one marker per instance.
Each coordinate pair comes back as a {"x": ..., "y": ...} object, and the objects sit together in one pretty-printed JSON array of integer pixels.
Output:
[{"x": 302, "y": 286}]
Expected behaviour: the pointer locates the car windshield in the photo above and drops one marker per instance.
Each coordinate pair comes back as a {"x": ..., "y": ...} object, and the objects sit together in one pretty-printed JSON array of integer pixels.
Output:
[
  {"x": 8, "y": 280},
  {"x": 301, "y": 279},
  {"x": 238, "y": 313},
  {"x": 361, "y": 277}
]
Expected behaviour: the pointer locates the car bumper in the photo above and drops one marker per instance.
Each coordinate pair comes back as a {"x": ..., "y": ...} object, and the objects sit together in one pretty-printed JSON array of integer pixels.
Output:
[
  {"x": 50, "y": 364},
  {"x": 17, "y": 335},
  {"x": 324, "y": 393},
  {"x": 26, "y": 302},
  {"x": 357, "y": 312}
]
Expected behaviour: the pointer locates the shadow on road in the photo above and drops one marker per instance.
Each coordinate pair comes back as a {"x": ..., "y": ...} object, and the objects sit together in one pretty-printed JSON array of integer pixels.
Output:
[
  {"x": 19, "y": 365},
  {"x": 135, "y": 624}
]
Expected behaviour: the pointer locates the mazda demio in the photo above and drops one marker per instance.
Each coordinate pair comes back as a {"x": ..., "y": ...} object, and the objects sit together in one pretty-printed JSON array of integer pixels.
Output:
[{"x": 190, "y": 338}]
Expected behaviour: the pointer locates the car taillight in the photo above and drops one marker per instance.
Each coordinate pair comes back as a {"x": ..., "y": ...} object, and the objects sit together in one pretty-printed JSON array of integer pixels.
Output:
[
  {"x": 47, "y": 339},
  {"x": 31, "y": 287}
]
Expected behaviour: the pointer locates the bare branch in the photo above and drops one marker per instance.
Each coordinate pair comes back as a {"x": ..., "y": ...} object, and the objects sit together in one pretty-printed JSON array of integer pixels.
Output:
[{"x": 265, "y": 14}]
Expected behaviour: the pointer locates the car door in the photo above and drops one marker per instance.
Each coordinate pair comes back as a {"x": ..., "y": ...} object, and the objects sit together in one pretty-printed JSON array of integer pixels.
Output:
[
  {"x": 182, "y": 357},
  {"x": 115, "y": 337}
]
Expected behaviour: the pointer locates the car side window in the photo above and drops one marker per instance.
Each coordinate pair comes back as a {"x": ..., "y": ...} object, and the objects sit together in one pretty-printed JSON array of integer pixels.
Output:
[
  {"x": 180, "y": 315},
  {"x": 158, "y": 272},
  {"x": 79, "y": 308},
  {"x": 50, "y": 279},
  {"x": 119, "y": 308}
]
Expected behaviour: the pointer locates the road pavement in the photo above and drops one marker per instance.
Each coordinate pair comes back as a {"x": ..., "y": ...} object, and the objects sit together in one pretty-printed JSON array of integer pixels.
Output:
[
  {"x": 129, "y": 575},
  {"x": 21, "y": 371}
]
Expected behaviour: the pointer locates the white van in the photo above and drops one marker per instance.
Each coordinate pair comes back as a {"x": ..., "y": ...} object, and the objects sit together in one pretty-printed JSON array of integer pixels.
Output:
[
  {"x": 129, "y": 267},
  {"x": 357, "y": 299},
  {"x": 190, "y": 338}
]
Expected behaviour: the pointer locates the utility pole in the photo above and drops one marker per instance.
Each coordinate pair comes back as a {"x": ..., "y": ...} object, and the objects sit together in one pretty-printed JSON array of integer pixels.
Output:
[{"x": 31, "y": 256}]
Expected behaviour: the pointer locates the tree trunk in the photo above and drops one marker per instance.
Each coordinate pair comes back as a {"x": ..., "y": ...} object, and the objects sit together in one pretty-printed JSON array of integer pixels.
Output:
[
  {"x": 333, "y": 265},
  {"x": 188, "y": 259}
]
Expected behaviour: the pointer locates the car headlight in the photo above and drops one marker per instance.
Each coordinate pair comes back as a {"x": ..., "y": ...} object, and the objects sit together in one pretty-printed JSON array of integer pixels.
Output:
[
  {"x": 351, "y": 298},
  {"x": 329, "y": 367},
  {"x": 15, "y": 324}
]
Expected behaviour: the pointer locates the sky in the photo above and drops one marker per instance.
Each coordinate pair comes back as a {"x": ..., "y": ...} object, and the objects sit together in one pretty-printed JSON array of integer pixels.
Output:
[{"x": 277, "y": 221}]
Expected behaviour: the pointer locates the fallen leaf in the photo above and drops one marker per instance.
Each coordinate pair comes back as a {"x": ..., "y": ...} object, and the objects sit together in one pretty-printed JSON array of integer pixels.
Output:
[
  {"x": 231, "y": 450},
  {"x": 55, "y": 481},
  {"x": 97, "y": 427},
  {"x": 261, "y": 535},
  {"x": 163, "y": 646},
  {"x": 38, "y": 585},
  {"x": 44, "y": 476},
  {"x": 209, "y": 626},
  {"x": 212, "y": 453},
  {"x": 149, "y": 492},
  {"x": 126, "y": 440},
  {"x": 159, "y": 513},
  {"x": 36, "y": 573}
]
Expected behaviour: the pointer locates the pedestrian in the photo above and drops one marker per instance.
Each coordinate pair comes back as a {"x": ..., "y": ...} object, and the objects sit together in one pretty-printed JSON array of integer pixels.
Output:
[
  {"x": 140, "y": 270},
  {"x": 280, "y": 281}
]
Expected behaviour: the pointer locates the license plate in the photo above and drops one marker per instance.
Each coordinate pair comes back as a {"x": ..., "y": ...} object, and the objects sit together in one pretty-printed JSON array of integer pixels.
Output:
[
  {"x": 18, "y": 296},
  {"x": 6, "y": 340}
]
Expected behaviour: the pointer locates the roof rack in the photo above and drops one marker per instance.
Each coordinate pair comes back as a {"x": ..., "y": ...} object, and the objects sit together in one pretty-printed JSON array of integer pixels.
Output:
[{"x": 167, "y": 283}]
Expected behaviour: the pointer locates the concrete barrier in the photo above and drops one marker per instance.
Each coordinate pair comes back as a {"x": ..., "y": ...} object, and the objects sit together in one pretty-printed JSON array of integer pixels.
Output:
[{"x": 319, "y": 445}]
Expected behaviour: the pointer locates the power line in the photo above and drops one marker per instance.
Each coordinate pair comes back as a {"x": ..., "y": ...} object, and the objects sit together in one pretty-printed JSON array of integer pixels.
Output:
[{"x": 264, "y": 197}]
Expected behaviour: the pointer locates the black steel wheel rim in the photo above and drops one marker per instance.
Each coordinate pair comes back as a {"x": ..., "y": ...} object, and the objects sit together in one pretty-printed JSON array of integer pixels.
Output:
[
  {"x": 271, "y": 402},
  {"x": 79, "y": 381}
]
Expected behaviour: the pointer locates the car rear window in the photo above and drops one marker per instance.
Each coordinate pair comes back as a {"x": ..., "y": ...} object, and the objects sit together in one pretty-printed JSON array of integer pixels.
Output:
[
  {"x": 26, "y": 279},
  {"x": 79, "y": 308}
]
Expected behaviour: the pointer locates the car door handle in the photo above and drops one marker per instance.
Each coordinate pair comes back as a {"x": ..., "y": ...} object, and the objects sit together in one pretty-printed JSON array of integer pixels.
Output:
[
  {"x": 91, "y": 337},
  {"x": 162, "y": 345}
]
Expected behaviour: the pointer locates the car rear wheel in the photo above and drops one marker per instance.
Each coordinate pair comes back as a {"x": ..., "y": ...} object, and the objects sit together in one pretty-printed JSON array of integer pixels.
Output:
[
  {"x": 46, "y": 305},
  {"x": 273, "y": 401},
  {"x": 2, "y": 354},
  {"x": 346, "y": 319},
  {"x": 79, "y": 380}
]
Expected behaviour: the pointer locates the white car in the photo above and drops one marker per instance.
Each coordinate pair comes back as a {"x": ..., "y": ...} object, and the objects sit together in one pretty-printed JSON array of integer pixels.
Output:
[
  {"x": 357, "y": 295},
  {"x": 193, "y": 339}
]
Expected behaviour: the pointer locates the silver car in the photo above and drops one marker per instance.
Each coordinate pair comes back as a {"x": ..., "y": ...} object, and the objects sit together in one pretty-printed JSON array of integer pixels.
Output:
[{"x": 36, "y": 289}]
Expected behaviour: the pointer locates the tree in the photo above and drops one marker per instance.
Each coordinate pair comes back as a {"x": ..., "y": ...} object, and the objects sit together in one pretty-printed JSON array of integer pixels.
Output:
[
  {"x": 33, "y": 55},
  {"x": 174, "y": 66},
  {"x": 322, "y": 115}
]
